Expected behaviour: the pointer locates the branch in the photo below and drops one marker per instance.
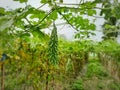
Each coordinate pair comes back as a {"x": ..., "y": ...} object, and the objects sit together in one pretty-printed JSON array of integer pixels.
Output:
[
  {"x": 45, "y": 17},
  {"x": 82, "y": 8},
  {"x": 79, "y": 3},
  {"x": 28, "y": 21},
  {"x": 97, "y": 16},
  {"x": 68, "y": 4},
  {"x": 68, "y": 21},
  {"x": 73, "y": 4},
  {"x": 41, "y": 6}
]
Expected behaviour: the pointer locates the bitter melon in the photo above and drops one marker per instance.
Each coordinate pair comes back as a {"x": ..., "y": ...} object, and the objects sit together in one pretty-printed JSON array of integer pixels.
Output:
[{"x": 53, "y": 46}]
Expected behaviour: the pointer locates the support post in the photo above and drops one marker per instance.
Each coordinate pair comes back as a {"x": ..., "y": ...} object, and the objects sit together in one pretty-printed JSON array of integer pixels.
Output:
[{"x": 2, "y": 76}]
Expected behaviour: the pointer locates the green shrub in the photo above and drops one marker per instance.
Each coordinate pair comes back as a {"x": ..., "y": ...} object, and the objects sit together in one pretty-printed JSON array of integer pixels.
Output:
[
  {"x": 78, "y": 85},
  {"x": 101, "y": 86},
  {"x": 96, "y": 69},
  {"x": 114, "y": 86}
]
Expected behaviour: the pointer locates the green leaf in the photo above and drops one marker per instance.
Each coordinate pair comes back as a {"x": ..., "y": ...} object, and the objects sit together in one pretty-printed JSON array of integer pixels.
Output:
[
  {"x": 61, "y": 1},
  {"x": 37, "y": 33},
  {"x": 77, "y": 35},
  {"x": 44, "y": 1},
  {"x": 21, "y": 1},
  {"x": 54, "y": 15},
  {"x": 92, "y": 27},
  {"x": 91, "y": 12},
  {"x": 2, "y": 11},
  {"x": 5, "y": 22}
]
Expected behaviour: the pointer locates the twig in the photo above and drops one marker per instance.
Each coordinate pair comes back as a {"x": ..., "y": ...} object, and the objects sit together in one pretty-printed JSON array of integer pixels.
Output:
[
  {"x": 72, "y": 4},
  {"x": 41, "y": 6},
  {"x": 97, "y": 16},
  {"x": 28, "y": 21},
  {"x": 82, "y": 8}
]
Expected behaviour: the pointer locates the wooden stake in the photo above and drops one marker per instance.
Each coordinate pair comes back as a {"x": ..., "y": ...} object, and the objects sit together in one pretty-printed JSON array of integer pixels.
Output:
[
  {"x": 46, "y": 82},
  {"x": 2, "y": 76}
]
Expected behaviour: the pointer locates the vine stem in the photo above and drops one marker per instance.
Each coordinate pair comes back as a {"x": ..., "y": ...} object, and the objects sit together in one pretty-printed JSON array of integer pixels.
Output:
[
  {"x": 45, "y": 17},
  {"x": 68, "y": 21}
]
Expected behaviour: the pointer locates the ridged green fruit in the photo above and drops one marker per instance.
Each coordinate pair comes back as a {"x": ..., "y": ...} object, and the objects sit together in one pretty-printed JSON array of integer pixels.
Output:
[{"x": 53, "y": 47}]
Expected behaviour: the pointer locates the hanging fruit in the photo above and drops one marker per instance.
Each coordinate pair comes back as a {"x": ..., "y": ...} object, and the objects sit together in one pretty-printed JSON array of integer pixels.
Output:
[{"x": 53, "y": 46}]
